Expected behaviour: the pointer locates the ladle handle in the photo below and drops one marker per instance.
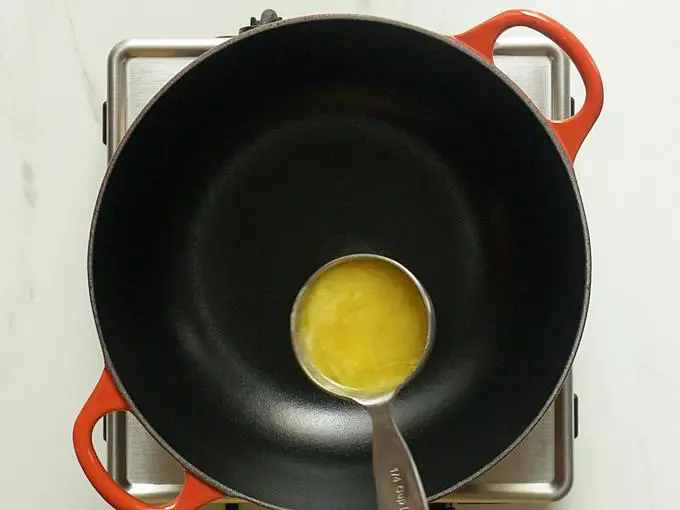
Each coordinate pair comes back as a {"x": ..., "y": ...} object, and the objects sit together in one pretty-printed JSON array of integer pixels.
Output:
[{"x": 397, "y": 481}]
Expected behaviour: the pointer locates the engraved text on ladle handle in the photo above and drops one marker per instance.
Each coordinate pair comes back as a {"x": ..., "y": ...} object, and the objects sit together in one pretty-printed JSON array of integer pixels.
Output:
[{"x": 397, "y": 482}]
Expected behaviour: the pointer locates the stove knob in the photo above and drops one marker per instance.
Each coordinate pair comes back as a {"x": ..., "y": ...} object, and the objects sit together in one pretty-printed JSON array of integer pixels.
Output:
[
  {"x": 267, "y": 16},
  {"x": 575, "y": 413},
  {"x": 105, "y": 117}
]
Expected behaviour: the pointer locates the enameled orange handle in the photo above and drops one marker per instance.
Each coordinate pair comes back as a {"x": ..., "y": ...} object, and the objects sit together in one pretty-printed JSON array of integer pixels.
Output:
[
  {"x": 571, "y": 132},
  {"x": 105, "y": 399}
]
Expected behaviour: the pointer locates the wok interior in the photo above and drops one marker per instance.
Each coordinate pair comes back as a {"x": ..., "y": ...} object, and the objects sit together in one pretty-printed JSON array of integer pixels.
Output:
[{"x": 298, "y": 145}]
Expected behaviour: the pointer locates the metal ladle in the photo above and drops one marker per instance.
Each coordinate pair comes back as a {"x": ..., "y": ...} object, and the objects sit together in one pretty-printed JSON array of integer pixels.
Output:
[{"x": 397, "y": 482}]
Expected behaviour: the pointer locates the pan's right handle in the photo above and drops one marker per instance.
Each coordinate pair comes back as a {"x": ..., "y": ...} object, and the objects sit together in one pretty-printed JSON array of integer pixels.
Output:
[
  {"x": 106, "y": 399},
  {"x": 571, "y": 132}
]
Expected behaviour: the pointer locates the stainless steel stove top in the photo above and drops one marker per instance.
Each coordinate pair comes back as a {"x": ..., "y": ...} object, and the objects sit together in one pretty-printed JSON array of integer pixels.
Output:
[{"x": 539, "y": 470}]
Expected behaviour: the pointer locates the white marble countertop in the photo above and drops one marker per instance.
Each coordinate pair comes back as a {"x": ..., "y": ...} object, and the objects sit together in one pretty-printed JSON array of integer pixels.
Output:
[{"x": 52, "y": 83}]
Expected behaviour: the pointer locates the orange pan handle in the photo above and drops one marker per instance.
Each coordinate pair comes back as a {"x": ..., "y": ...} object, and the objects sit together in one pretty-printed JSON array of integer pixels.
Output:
[
  {"x": 105, "y": 399},
  {"x": 571, "y": 132}
]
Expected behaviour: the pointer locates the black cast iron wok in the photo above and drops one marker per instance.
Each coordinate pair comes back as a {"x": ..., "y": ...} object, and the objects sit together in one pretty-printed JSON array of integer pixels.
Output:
[{"x": 306, "y": 140}]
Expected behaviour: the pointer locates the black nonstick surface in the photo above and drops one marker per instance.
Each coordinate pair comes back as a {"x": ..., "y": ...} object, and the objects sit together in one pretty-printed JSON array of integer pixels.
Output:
[{"x": 291, "y": 146}]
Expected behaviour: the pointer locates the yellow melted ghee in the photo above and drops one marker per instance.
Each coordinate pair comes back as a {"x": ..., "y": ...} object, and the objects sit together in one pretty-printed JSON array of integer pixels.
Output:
[{"x": 364, "y": 325}]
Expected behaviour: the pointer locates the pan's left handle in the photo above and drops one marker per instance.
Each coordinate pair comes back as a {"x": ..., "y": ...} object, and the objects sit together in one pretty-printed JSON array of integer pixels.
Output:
[
  {"x": 106, "y": 399},
  {"x": 572, "y": 131}
]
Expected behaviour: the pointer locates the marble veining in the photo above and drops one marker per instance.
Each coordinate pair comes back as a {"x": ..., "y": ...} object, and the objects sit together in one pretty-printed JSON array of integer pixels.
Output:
[
  {"x": 93, "y": 98},
  {"x": 28, "y": 178}
]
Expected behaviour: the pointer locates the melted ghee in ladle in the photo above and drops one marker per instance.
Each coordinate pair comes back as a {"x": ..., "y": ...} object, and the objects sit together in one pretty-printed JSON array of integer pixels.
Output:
[{"x": 363, "y": 324}]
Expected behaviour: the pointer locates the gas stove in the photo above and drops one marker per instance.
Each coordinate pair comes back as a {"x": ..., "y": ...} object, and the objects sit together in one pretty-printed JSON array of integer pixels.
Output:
[{"x": 538, "y": 470}]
